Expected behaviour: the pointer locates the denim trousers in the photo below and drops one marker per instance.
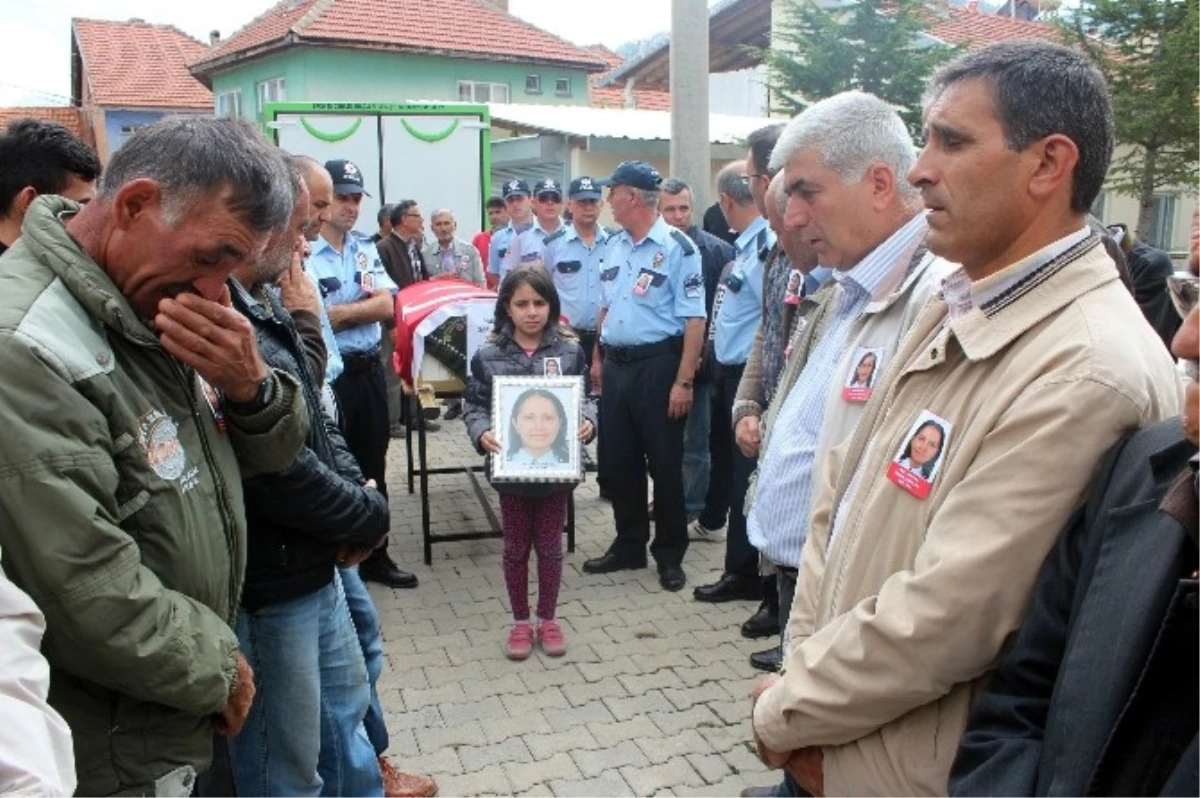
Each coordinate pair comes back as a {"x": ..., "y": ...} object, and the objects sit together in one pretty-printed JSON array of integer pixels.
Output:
[
  {"x": 696, "y": 459},
  {"x": 304, "y": 734},
  {"x": 366, "y": 623}
]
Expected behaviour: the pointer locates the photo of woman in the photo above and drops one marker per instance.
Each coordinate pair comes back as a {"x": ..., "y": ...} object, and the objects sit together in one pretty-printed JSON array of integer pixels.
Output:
[
  {"x": 539, "y": 430},
  {"x": 552, "y": 367},
  {"x": 864, "y": 369},
  {"x": 916, "y": 465},
  {"x": 864, "y": 372},
  {"x": 923, "y": 449}
]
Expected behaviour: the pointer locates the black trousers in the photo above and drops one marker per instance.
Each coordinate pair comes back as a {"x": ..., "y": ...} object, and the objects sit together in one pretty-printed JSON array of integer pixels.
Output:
[
  {"x": 362, "y": 397},
  {"x": 729, "y": 476},
  {"x": 636, "y": 431}
]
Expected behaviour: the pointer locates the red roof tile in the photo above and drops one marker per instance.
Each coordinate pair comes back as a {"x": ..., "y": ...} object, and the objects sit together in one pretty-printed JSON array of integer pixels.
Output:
[
  {"x": 138, "y": 65},
  {"x": 465, "y": 28},
  {"x": 975, "y": 29},
  {"x": 614, "y": 96},
  {"x": 68, "y": 116}
]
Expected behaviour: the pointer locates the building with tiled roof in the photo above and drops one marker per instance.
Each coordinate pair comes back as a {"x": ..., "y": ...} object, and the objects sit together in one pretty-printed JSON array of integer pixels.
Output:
[
  {"x": 615, "y": 95},
  {"x": 128, "y": 74},
  {"x": 388, "y": 52},
  {"x": 69, "y": 116}
]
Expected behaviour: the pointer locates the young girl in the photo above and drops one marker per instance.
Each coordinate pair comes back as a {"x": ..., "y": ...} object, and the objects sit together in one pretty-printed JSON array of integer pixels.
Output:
[{"x": 526, "y": 337}]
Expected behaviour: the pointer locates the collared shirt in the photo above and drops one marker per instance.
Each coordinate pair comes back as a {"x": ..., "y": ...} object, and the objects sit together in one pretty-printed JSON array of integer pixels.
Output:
[
  {"x": 528, "y": 248},
  {"x": 498, "y": 248},
  {"x": 576, "y": 269},
  {"x": 738, "y": 308},
  {"x": 783, "y": 497},
  {"x": 340, "y": 278},
  {"x": 651, "y": 287},
  {"x": 333, "y": 358},
  {"x": 524, "y": 457},
  {"x": 963, "y": 296}
]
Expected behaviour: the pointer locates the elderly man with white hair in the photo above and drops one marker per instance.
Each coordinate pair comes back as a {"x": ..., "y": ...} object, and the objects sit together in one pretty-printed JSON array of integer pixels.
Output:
[
  {"x": 449, "y": 256},
  {"x": 844, "y": 163}
]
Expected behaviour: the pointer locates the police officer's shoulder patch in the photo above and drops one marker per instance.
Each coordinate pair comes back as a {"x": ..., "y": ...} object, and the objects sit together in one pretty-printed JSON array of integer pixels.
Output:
[
  {"x": 693, "y": 286},
  {"x": 684, "y": 243},
  {"x": 557, "y": 234}
]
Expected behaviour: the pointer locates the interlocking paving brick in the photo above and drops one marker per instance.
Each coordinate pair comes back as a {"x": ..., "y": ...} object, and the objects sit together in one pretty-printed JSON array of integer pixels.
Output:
[
  {"x": 477, "y": 757},
  {"x": 684, "y": 697},
  {"x": 490, "y": 780},
  {"x": 610, "y": 784},
  {"x": 711, "y": 767},
  {"x": 417, "y": 699},
  {"x": 676, "y": 772},
  {"x": 522, "y": 776},
  {"x": 431, "y": 740},
  {"x": 697, "y": 717},
  {"x": 609, "y": 734},
  {"x": 594, "y": 712},
  {"x": 593, "y": 763},
  {"x": 483, "y": 709},
  {"x": 731, "y": 711},
  {"x": 529, "y": 723},
  {"x": 547, "y": 700},
  {"x": 585, "y": 692},
  {"x": 438, "y": 677},
  {"x": 659, "y": 749},
  {"x": 637, "y": 685},
  {"x": 611, "y": 667},
  {"x": 626, "y": 708},
  {"x": 544, "y": 746},
  {"x": 487, "y": 686}
]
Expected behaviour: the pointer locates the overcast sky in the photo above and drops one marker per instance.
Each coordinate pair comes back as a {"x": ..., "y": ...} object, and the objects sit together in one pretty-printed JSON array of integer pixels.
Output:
[{"x": 35, "y": 36}]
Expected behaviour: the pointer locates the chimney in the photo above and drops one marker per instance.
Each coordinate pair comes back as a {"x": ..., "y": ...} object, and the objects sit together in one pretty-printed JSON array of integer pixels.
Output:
[
  {"x": 499, "y": 5},
  {"x": 214, "y": 38}
]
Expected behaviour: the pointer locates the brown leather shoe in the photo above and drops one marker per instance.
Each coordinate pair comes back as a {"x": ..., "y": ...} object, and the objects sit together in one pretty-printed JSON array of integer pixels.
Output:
[{"x": 397, "y": 784}]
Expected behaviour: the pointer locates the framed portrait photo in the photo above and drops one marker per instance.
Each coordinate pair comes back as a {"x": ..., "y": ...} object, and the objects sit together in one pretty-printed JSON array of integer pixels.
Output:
[{"x": 536, "y": 421}]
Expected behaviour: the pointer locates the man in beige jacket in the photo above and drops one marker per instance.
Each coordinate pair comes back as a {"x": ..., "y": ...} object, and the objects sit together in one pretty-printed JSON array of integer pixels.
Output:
[{"x": 978, "y": 439}]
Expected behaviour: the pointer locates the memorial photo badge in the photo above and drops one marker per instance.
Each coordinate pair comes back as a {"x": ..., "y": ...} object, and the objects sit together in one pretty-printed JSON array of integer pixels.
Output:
[
  {"x": 791, "y": 294},
  {"x": 865, "y": 368},
  {"x": 916, "y": 464}
]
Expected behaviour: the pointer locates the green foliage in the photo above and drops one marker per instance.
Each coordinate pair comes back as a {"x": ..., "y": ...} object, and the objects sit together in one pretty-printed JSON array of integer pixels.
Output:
[
  {"x": 1149, "y": 51},
  {"x": 877, "y": 46}
]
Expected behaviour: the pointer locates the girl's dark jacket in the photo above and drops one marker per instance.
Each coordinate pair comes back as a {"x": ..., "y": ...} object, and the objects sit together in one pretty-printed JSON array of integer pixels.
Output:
[{"x": 501, "y": 356}]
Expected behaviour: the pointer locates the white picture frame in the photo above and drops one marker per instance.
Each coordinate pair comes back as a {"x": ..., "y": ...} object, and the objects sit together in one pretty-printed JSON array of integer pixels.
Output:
[{"x": 550, "y": 450}]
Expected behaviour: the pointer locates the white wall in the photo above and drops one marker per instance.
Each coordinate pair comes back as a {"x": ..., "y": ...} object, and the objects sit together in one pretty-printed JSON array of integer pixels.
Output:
[{"x": 742, "y": 93}]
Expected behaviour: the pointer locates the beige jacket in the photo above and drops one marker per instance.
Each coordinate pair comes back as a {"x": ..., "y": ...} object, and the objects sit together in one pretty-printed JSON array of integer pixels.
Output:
[{"x": 898, "y": 620}]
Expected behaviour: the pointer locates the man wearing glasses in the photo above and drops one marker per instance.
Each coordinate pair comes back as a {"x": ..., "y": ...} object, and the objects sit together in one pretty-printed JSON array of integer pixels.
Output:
[
  {"x": 529, "y": 248},
  {"x": 402, "y": 250}
]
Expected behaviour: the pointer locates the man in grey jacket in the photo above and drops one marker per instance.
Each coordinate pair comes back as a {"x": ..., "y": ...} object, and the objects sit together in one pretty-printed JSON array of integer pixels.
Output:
[{"x": 450, "y": 256}]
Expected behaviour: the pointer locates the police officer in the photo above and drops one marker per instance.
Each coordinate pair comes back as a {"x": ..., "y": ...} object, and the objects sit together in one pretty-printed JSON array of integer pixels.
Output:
[
  {"x": 737, "y": 311},
  {"x": 520, "y": 219},
  {"x": 529, "y": 248},
  {"x": 574, "y": 256},
  {"x": 651, "y": 331},
  {"x": 358, "y": 294}
]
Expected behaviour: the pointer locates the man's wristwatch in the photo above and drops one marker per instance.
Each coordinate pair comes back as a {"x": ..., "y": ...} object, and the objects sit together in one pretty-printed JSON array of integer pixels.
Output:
[
  {"x": 262, "y": 398},
  {"x": 684, "y": 384}
]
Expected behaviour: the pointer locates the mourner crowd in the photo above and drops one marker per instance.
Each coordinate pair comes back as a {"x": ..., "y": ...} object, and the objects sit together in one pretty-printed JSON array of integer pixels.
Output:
[{"x": 924, "y": 401}]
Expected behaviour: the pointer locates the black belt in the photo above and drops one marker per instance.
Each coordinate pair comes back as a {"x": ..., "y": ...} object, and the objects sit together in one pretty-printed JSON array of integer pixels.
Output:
[
  {"x": 361, "y": 361},
  {"x": 728, "y": 372},
  {"x": 788, "y": 571},
  {"x": 628, "y": 354}
]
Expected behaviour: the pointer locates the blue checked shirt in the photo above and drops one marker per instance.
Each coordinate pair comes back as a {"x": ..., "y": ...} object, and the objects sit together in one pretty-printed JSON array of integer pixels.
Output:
[
  {"x": 741, "y": 306},
  {"x": 340, "y": 277},
  {"x": 778, "y": 522},
  {"x": 576, "y": 269}
]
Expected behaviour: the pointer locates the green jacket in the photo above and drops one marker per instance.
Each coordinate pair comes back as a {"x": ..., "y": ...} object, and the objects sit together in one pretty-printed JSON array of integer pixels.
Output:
[{"x": 121, "y": 510}]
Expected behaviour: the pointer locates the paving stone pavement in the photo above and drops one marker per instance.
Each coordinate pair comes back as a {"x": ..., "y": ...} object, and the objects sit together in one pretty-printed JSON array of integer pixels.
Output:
[{"x": 651, "y": 698}]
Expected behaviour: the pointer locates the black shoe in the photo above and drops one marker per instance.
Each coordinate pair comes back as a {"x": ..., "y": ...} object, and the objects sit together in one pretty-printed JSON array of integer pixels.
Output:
[
  {"x": 672, "y": 578},
  {"x": 432, "y": 426},
  {"x": 380, "y": 568},
  {"x": 730, "y": 587},
  {"x": 453, "y": 411},
  {"x": 604, "y": 492},
  {"x": 397, "y": 429},
  {"x": 610, "y": 562},
  {"x": 770, "y": 660},
  {"x": 764, "y": 623}
]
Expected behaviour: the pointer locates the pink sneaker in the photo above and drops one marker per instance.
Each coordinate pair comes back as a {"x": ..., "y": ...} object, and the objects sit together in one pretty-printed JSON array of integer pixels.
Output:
[
  {"x": 520, "y": 641},
  {"x": 551, "y": 637}
]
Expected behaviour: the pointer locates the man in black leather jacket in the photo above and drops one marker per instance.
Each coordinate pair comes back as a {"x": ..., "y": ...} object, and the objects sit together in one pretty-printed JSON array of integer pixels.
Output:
[{"x": 294, "y": 625}]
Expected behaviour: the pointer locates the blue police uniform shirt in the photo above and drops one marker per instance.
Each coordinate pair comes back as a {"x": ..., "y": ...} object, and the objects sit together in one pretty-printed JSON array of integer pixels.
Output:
[
  {"x": 576, "y": 269},
  {"x": 333, "y": 358},
  {"x": 527, "y": 248},
  {"x": 498, "y": 249},
  {"x": 650, "y": 288},
  {"x": 740, "y": 295},
  {"x": 524, "y": 457},
  {"x": 341, "y": 276}
]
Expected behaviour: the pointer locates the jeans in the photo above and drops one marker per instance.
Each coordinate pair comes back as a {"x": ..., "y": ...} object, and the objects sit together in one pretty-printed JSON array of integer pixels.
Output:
[
  {"x": 304, "y": 733},
  {"x": 696, "y": 459},
  {"x": 366, "y": 623}
]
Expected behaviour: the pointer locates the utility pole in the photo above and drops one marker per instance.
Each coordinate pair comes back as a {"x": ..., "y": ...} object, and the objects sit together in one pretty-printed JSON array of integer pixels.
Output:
[{"x": 690, "y": 153}]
